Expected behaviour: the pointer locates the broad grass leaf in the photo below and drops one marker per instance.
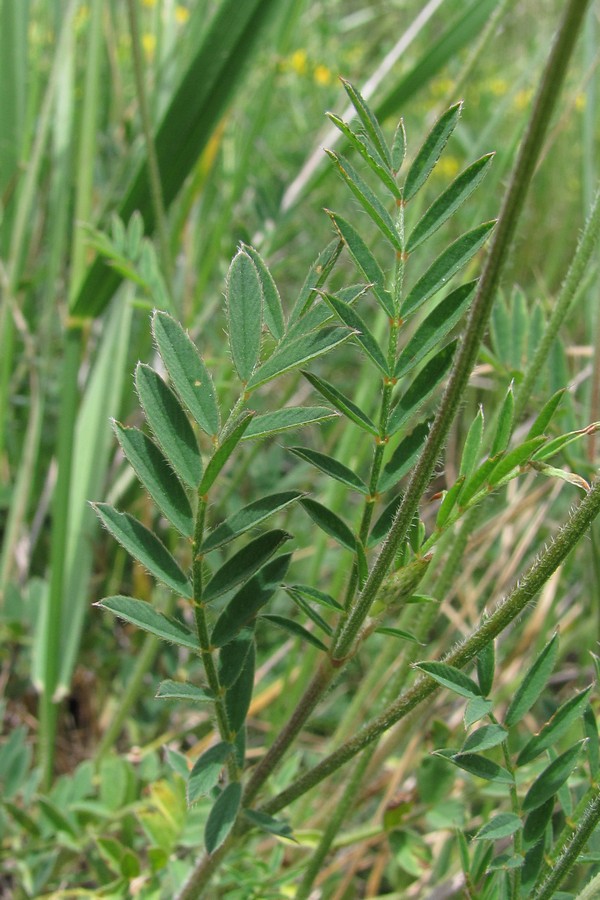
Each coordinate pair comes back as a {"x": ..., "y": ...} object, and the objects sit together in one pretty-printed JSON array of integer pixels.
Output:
[
  {"x": 342, "y": 403},
  {"x": 329, "y": 522},
  {"x": 187, "y": 372},
  {"x": 206, "y": 771},
  {"x": 244, "y": 563},
  {"x": 430, "y": 151},
  {"x": 183, "y": 690},
  {"x": 315, "y": 279},
  {"x": 369, "y": 153},
  {"x": 552, "y": 778},
  {"x": 421, "y": 388},
  {"x": 243, "y": 608},
  {"x": 448, "y": 263},
  {"x": 501, "y": 826},
  {"x": 477, "y": 765},
  {"x": 295, "y": 629},
  {"x": 144, "y": 546},
  {"x": 403, "y": 457},
  {"x": 232, "y": 657},
  {"x": 484, "y": 738},
  {"x": 239, "y": 696},
  {"x": 170, "y": 424},
  {"x": 369, "y": 121},
  {"x": 289, "y": 355},
  {"x": 269, "y": 824},
  {"x": 363, "y": 335},
  {"x": 224, "y": 451},
  {"x": 564, "y": 717},
  {"x": 144, "y": 616},
  {"x": 435, "y": 327},
  {"x": 287, "y": 419},
  {"x": 504, "y": 425},
  {"x": 222, "y": 816},
  {"x": 451, "y": 678},
  {"x": 244, "y": 295},
  {"x": 157, "y": 477},
  {"x": 367, "y": 199},
  {"x": 365, "y": 261},
  {"x": 532, "y": 684},
  {"x": 248, "y": 517},
  {"x": 331, "y": 467},
  {"x": 272, "y": 308},
  {"x": 448, "y": 202}
]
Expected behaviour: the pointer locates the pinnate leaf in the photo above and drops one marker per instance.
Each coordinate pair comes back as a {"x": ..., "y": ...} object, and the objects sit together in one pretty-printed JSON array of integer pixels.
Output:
[
  {"x": 170, "y": 424},
  {"x": 222, "y": 816},
  {"x": 156, "y": 475},
  {"x": 187, "y": 372},
  {"x": 144, "y": 546},
  {"x": 144, "y": 616}
]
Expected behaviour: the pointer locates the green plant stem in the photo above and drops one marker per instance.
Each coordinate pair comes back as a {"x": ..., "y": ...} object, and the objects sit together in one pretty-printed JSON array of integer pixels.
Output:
[
  {"x": 490, "y": 627},
  {"x": 69, "y": 394},
  {"x": 545, "y": 889},
  {"x": 522, "y": 174},
  {"x": 153, "y": 169},
  {"x": 568, "y": 292}
]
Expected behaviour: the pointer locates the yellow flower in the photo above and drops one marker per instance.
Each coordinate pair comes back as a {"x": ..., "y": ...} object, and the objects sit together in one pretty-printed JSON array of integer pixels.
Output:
[
  {"x": 322, "y": 75},
  {"x": 580, "y": 102},
  {"x": 81, "y": 16},
  {"x": 182, "y": 14},
  {"x": 149, "y": 44},
  {"x": 149, "y": 3},
  {"x": 498, "y": 86},
  {"x": 298, "y": 62},
  {"x": 523, "y": 99},
  {"x": 441, "y": 87},
  {"x": 447, "y": 167}
]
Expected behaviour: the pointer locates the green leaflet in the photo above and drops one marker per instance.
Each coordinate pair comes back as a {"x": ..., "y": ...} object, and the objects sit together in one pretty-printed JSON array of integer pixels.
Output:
[
  {"x": 403, "y": 457},
  {"x": 187, "y": 372},
  {"x": 545, "y": 417},
  {"x": 331, "y": 467},
  {"x": 430, "y": 151},
  {"x": 449, "y": 502},
  {"x": 399, "y": 633},
  {"x": 422, "y": 387},
  {"x": 272, "y": 308},
  {"x": 244, "y": 606},
  {"x": 183, "y": 690},
  {"x": 222, "y": 816},
  {"x": 504, "y": 425},
  {"x": 435, "y": 327},
  {"x": 369, "y": 153},
  {"x": 383, "y": 524},
  {"x": 312, "y": 614},
  {"x": 224, "y": 451},
  {"x": 232, "y": 657},
  {"x": 450, "y": 677},
  {"x": 295, "y": 629},
  {"x": 287, "y": 419},
  {"x": 316, "y": 278},
  {"x": 144, "y": 616},
  {"x": 144, "y": 546},
  {"x": 552, "y": 778},
  {"x": 477, "y": 765},
  {"x": 486, "y": 664},
  {"x": 398, "y": 147},
  {"x": 369, "y": 122},
  {"x": 365, "y": 261},
  {"x": 367, "y": 199},
  {"x": 446, "y": 266},
  {"x": 314, "y": 595},
  {"x": 559, "y": 724},
  {"x": 484, "y": 738},
  {"x": 158, "y": 478},
  {"x": 170, "y": 424},
  {"x": 342, "y": 403},
  {"x": 348, "y": 315},
  {"x": 478, "y": 479},
  {"x": 243, "y": 291},
  {"x": 533, "y": 683},
  {"x": 329, "y": 522},
  {"x": 448, "y": 202},
  {"x": 472, "y": 447},
  {"x": 269, "y": 824},
  {"x": 244, "y": 563},
  {"x": 239, "y": 696},
  {"x": 501, "y": 826},
  {"x": 248, "y": 517},
  {"x": 515, "y": 458},
  {"x": 289, "y": 355},
  {"x": 206, "y": 771}
]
